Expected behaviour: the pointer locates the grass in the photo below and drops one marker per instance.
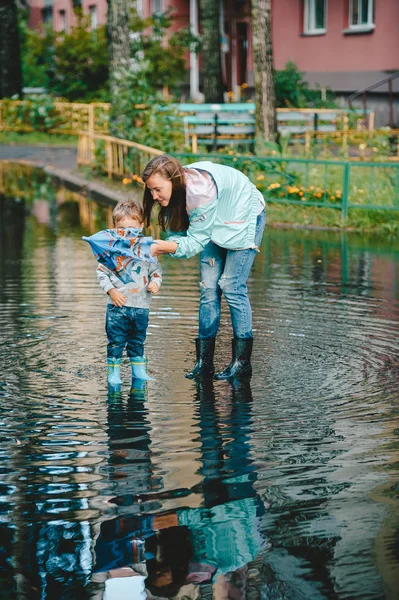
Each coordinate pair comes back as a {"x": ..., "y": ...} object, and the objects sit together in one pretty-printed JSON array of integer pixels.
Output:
[
  {"x": 37, "y": 138},
  {"x": 370, "y": 221}
]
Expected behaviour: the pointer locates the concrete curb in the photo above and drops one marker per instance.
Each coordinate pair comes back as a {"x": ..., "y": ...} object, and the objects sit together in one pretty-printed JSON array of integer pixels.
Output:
[{"x": 95, "y": 190}]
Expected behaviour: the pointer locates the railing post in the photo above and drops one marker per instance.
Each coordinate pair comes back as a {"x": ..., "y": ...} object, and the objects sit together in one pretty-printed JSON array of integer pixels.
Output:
[
  {"x": 390, "y": 98},
  {"x": 371, "y": 120},
  {"x": 215, "y": 133},
  {"x": 345, "y": 192},
  {"x": 307, "y": 142},
  {"x": 108, "y": 150},
  {"x": 345, "y": 135},
  {"x": 194, "y": 143},
  {"x": 91, "y": 118}
]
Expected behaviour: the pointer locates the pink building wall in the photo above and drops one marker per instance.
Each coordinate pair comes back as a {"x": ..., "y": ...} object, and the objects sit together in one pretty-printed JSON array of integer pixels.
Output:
[
  {"x": 335, "y": 51},
  {"x": 332, "y": 51},
  {"x": 37, "y": 6},
  {"x": 180, "y": 8}
]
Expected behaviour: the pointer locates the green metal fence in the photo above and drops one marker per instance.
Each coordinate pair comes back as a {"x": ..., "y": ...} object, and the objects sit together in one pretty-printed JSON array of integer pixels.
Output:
[{"x": 336, "y": 184}]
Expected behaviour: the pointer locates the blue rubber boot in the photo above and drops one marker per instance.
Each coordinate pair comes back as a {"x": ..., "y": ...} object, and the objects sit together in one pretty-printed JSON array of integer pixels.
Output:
[
  {"x": 138, "y": 389},
  {"x": 138, "y": 368},
  {"x": 114, "y": 371}
]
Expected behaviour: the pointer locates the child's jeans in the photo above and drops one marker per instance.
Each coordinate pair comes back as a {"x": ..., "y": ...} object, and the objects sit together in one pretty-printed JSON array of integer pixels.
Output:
[{"x": 126, "y": 327}]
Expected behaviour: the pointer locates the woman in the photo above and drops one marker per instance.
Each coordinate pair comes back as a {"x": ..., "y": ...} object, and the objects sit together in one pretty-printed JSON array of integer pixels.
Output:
[{"x": 215, "y": 210}]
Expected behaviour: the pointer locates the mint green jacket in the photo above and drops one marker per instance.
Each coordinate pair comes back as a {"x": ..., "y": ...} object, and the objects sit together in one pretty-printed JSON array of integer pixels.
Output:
[{"x": 229, "y": 220}]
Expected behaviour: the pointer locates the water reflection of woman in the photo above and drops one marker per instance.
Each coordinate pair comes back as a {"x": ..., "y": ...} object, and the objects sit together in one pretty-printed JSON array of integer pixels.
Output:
[
  {"x": 213, "y": 544},
  {"x": 215, "y": 210}
]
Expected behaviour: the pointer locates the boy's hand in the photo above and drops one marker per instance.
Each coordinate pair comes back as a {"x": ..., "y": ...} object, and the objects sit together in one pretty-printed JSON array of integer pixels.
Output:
[
  {"x": 153, "y": 287},
  {"x": 117, "y": 297}
]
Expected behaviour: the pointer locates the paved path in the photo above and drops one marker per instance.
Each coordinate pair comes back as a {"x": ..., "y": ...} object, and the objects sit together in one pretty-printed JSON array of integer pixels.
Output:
[
  {"x": 60, "y": 162},
  {"x": 54, "y": 156}
]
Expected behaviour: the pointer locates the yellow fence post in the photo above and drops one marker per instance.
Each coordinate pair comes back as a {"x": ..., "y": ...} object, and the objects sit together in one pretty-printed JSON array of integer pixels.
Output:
[
  {"x": 108, "y": 149},
  {"x": 194, "y": 143},
  {"x": 307, "y": 142},
  {"x": 91, "y": 118},
  {"x": 371, "y": 120}
]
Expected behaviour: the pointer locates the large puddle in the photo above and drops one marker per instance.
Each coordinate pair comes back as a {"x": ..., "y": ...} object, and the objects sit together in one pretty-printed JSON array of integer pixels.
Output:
[{"x": 281, "y": 489}]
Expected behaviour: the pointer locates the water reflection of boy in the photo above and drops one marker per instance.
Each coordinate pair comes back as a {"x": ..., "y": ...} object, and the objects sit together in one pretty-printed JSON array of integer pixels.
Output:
[{"x": 129, "y": 464}]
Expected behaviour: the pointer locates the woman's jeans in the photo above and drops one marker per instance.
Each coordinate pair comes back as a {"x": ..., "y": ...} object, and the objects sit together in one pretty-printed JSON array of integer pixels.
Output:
[
  {"x": 226, "y": 271},
  {"x": 126, "y": 326}
]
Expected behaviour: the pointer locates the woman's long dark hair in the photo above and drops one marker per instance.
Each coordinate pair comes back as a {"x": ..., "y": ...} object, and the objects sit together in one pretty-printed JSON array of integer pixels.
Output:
[{"x": 174, "y": 216}]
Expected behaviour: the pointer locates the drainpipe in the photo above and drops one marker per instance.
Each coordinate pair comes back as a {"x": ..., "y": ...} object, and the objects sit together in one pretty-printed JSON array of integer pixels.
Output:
[{"x": 195, "y": 94}]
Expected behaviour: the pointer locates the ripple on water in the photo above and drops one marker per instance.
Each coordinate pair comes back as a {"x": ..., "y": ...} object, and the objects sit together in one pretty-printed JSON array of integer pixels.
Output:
[{"x": 303, "y": 461}]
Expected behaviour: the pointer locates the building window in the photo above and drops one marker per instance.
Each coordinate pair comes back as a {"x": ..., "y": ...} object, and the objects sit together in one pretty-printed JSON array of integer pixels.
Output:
[
  {"x": 93, "y": 16},
  {"x": 47, "y": 13},
  {"x": 63, "y": 21},
  {"x": 156, "y": 6},
  {"x": 361, "y": 14},
  {"x": 315, "y": 17},
  {"x": 139, "y": 7}
]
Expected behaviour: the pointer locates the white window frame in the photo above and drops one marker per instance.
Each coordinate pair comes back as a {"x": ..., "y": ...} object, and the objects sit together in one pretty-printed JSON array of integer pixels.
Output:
[
  {"x": 309, "y": 18},
  {"x": 156, "y": 7},
  {"x": 48, "y": 15},
  {"x": 139, "y": 7},
  {"x": 93, "y": 16},
  {"x": 63, "y": 20},
  {"x": 369, "y": 25}
]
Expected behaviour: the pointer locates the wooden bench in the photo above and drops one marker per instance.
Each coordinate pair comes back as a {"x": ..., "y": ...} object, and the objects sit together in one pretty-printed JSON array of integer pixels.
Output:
[{"x": 219, "y": 125}]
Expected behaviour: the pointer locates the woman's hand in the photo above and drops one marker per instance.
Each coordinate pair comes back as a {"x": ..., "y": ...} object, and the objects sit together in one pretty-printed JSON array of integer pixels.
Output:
[{"x": 162, "y": 247}]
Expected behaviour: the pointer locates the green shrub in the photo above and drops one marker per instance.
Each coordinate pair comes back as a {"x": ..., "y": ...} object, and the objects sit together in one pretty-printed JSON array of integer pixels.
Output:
[
  {"x": 72, "y": 65},
  {"x": 293, "y": 91}
]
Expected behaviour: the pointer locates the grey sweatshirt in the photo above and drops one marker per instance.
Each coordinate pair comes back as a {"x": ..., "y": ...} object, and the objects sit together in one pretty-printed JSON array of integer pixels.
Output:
[{"x": 135, "y": 291}]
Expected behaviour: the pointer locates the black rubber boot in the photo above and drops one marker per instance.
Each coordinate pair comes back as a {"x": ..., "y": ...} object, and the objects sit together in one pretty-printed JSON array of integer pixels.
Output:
[
  {"x": 204, "y": 365},
  {"x": 225, "y": 374},
  {"x": 240, "y": 365}
]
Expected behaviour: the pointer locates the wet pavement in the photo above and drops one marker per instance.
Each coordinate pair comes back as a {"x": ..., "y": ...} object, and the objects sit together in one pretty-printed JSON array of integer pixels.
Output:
[
  {"x": 60, "y": 157},
  {"x": 284, "y": 487}
]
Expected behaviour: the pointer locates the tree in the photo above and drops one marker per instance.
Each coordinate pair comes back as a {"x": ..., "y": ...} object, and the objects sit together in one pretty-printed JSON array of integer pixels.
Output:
[
  {"x": 211, "y": 51},
  {"x": 84, "y": 53},
  {"x": 10, "y": 58},
  {"x": 265, "y": 96},
  {"x": 138, "y": 111},
  {"x": 119, "y": 55}
]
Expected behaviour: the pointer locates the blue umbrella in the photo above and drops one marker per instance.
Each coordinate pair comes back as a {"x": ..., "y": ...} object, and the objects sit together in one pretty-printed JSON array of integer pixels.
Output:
[{"x": 120, "y": 249}]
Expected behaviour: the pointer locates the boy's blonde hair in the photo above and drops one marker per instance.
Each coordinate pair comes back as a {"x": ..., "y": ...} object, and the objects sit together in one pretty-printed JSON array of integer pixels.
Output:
[{"x": 127, "y": 208}]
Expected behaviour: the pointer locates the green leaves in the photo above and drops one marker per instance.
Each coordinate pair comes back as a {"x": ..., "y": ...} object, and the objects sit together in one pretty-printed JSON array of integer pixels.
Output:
[
  {"x": 72, "y": 65},
  {"x": 293, "y": 91}
]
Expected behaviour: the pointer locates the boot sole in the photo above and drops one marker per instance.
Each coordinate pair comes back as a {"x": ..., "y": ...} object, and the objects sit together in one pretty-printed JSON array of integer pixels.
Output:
[{"x": 199, "y": 375}]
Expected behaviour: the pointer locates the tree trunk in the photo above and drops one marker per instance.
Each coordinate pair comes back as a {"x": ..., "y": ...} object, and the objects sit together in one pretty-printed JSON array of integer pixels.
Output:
[
  {"x": 265, "y": 96},
  {"x": 10, "y": 55},
  {"x": 211, "y": 51},
  {"x": 119, "y": 56}
]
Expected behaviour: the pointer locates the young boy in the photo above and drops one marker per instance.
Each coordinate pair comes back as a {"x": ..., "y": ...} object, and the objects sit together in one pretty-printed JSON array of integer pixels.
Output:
[{"x": 129, "y": 276}]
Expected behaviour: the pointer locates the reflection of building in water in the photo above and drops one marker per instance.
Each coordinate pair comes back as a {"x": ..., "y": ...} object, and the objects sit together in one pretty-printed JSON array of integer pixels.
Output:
[{"x": 93, "y": 216}]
